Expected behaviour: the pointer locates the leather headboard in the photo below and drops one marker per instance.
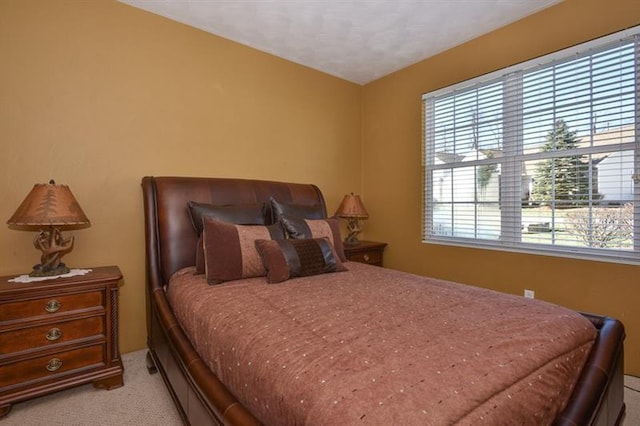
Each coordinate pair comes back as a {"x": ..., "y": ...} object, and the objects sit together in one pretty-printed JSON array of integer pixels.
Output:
[{"x": 169, "y": 235}]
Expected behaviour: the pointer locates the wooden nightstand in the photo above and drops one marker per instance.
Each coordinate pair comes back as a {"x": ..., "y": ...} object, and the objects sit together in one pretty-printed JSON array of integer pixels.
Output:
[
  {"x": 370, "y": 252},
  {"x": 58, "y": 333}
]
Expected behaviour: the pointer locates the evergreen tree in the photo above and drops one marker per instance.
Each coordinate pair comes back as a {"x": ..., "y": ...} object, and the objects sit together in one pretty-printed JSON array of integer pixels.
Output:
[{"x": 565, "y": 179}]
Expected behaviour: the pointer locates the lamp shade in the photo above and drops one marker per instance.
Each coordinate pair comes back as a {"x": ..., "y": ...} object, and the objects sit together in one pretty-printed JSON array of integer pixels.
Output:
[
  {"x": 352, "y": 207},
  {"x": 49, "y": 205}
]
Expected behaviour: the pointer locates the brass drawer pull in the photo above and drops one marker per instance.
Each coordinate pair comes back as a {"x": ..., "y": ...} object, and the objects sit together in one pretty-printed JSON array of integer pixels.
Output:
[
  {"x": 54, "y": 364},
  {"x": 366, "y": 257},
  {"x": 54, "y": 334},
  {"x": 52, "y": 306}
]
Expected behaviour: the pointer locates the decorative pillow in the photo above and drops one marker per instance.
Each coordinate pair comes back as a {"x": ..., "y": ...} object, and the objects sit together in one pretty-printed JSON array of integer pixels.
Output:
[
  {"x": 298, "y": 228},
  {"x": 230, "y": 250},
  {"x": 249, "y": 214},
  {"x": 306, "y": 211},
  {"x": 246, "y": 214},
  {"x": 284, "y": 259}
]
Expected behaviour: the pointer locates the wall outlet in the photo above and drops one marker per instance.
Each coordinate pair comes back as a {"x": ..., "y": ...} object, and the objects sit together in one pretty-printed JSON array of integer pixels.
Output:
[{"x": 529, "y": 294}]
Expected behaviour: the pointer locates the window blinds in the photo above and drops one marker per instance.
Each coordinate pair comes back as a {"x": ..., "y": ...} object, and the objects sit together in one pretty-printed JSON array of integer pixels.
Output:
[{"x": 541, "y": 157}]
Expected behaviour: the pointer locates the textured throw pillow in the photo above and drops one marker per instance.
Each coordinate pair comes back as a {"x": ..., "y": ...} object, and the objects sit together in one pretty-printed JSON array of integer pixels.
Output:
[
  {"x": 284, "y": 259},
  {"x": 230, "y": 250},
  {"x": 298, "y": 228},
  {"x": 249, "y": 214},
  {"x": 278, "y": 209}
]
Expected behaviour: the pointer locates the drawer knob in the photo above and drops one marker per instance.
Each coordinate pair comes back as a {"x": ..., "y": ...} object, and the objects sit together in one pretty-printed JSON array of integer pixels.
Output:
[
  {"x": 54, "y": 334},
  {"x": 54, "y": 364},
  {"x": 366, "y": 257},
  {"x": 52, "y": 306}
]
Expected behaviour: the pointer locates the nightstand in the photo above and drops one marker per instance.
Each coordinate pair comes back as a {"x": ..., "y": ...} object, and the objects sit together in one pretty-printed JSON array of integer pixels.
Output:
[
  {"x": 58, "y": 333},
  {"x": 370, "y": 252}
]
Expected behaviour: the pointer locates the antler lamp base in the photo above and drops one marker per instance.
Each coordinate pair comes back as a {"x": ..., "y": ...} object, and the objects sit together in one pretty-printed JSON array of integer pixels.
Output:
[{"x": 53, "y": 247}]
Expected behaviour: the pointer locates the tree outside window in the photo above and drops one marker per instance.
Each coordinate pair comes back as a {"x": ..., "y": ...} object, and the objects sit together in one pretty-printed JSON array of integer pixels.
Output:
[{"x": 563, "y": 181}]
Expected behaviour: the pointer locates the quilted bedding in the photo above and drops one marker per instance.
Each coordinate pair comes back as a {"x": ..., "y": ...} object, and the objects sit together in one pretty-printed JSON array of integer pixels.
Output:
[{"x": 378, "y": 346}]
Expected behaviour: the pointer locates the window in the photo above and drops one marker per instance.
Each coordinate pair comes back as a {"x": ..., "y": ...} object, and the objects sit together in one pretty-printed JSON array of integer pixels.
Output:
[{"x": 541, "y": 157}]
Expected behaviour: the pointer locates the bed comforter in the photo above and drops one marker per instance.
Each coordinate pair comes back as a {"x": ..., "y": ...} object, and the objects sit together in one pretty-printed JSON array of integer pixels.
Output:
[{"x": 378, "y": 346}]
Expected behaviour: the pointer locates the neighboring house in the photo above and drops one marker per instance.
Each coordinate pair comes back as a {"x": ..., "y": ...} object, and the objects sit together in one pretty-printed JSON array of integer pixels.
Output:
[
  {"x": 615, "y": 173},
  {"x": 454, "y": 190},
  {"x": 446, "y": 190},
  {"x": 456, "y": 194},
  {"x": 612, "y": 172}
]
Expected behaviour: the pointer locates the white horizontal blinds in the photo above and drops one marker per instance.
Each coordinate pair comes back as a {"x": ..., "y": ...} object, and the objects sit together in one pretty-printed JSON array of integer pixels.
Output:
[
  {"x": 514, "y": 187},
  {"x": 593, "y": 95},
  {"x": 541, "y": 156},
  {"x": 578, "y": 115},
  {"x": 636, "y": 175},
  {"x": 465, "y": 135}
]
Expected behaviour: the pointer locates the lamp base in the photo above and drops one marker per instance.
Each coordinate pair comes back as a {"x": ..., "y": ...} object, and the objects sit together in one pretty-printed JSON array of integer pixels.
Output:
[
  {"x": 353, "y": 226},
  {"x": 351, "y": 240},
  {"x": 43, "y": 271},
  {"x": 53, "y": 246}
]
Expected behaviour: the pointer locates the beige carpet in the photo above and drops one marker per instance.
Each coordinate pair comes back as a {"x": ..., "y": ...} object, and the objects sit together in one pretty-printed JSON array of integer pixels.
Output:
[
  {"x": 143, "y": 400},
  {"x": 632, "y": 399}
]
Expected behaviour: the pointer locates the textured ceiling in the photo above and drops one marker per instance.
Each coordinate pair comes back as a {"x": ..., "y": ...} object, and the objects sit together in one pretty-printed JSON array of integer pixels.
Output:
[{"x": 357, "y": 40}]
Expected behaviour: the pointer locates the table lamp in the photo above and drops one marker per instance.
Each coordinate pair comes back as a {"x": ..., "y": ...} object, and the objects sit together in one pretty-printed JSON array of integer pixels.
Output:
[
  {"x": 49, "y": 207},
  {"x": 352, "y": 209}
]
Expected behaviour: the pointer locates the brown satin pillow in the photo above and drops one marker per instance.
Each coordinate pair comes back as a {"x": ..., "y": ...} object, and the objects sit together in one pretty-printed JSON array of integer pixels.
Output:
[
  {"x": 285, "y": 259},
  {"x": 278, "y": 209},
  {"x": 230, "y": 250},
  {"x": 298, "y": 228},
  {"x": 246, "y": 214}
]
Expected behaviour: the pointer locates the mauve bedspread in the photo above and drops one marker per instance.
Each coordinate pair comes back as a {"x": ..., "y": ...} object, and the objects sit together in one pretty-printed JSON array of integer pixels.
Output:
[{"x": 378, "y": 346}]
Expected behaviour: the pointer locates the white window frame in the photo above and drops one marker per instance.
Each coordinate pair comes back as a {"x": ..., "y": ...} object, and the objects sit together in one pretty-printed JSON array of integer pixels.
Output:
[{"x": 510, "y": 203}]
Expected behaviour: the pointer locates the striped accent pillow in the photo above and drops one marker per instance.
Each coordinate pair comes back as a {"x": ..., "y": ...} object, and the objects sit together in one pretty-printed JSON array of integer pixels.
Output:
[
  {"x": 285, "y": 259},
  {"x": 248, "y": 214},
  {"x": 299, "y": 228},
  {"x": 230, "y": 250}
]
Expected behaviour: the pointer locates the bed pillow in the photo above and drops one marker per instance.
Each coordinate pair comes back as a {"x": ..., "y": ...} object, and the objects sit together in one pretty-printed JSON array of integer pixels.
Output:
[
  {"x": 306, "y": 211},
  {"x": 299, "y": 228},
  {"x": 230, "y": 250},
  {"x": 285, "y": 259},
  {"x": 247, "y": 214}
]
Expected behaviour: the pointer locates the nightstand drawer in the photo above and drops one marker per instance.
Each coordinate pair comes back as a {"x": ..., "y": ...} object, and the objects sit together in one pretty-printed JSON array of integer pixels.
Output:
[
  {"x": 370, "y": 252},
  {"x": 373, "y": 257},
  {"x": 48, "y": 334},
  {"x": 50, "y": 366},
  {"x": 54, "y": 304}
]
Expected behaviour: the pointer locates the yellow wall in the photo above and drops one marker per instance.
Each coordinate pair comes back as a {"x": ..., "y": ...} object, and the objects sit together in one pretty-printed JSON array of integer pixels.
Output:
[
  {"x": 392, "y": 170},
  {"x": 97, "y": 94}
]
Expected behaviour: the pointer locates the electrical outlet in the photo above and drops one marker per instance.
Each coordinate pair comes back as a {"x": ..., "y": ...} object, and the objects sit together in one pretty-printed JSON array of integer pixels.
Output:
[{"x": 529, "y": 294}]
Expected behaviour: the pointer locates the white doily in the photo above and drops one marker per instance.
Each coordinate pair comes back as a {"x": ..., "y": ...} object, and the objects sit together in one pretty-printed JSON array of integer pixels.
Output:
[{"x": 28, "y": 279}]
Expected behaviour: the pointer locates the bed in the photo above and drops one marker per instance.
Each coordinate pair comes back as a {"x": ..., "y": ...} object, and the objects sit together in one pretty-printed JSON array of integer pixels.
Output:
[{"x": 208, "y": 377}]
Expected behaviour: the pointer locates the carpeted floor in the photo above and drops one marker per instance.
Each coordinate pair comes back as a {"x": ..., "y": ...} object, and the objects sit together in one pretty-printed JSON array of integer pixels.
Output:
[
  {"x": 143, "y": 400},
  {"x": 632, "y": 399}
]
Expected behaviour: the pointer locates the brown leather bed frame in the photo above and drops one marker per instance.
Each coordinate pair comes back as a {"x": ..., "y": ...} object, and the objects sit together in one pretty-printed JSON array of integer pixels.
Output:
[{"x": 202, "y": 399}]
